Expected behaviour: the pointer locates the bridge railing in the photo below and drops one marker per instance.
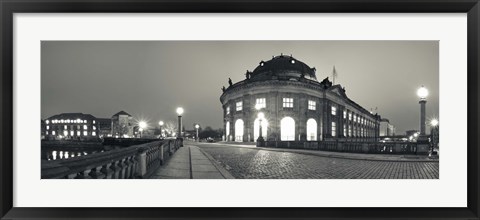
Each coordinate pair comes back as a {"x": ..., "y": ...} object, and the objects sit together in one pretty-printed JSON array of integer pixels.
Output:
[
  {"x": 354, "y": 146},
  {"x": 138, "y": 161}
]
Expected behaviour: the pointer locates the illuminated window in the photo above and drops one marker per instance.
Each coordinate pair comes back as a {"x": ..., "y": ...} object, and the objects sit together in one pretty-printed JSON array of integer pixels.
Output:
[
  {"x": 344, "y": 114},
  {"x": 64, "y": 127},
  {"x": 78, "y": 133},
  {"x": 61, "y": 121},
  {"x": 47, "y": 121},
  {"x": 239, "y": 106},
  {"x": 67, "y": 121},
  {"x": 239, "y": 130},
  {"x": 228, "y": 110},
  {"x": 65, "y": 133},
  {"x": 48, "y": 127},
  {"x": 311, "y": 130},
  {"x": 53, "y": 132},
  {"x": 84, "y": 121},
  {"x": 85, "y": 127},
  {"x": 312, "y": 105},
  {"x": 256, "y": 129},
  {"x": 349, "y": 116},
  {"x": 344, "y": 129},
  {"x": 334, "y": 110},
  {"x": 46, "y": 133},
  {"x": 227, "y": 128},
  {"x": 85, "y": 133},
  {"x": 71, "y": 133},
  {"x": 94, "y": 128},
  {"x": 94, "y": 121},
  {"x": 334, "y": 129},
  {"x": 94, "y": 133},
  {"x": 260, "y": 102},
  {"x": 288, "y": 102},
  {"x": 354, "y": 118},
  {"x": 349, "y": 131},
  {"x": 287, "y": 129}
]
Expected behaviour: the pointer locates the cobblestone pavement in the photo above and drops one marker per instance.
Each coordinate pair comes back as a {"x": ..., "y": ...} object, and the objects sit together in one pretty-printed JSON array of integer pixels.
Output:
[{"x": 251, "y": 163}]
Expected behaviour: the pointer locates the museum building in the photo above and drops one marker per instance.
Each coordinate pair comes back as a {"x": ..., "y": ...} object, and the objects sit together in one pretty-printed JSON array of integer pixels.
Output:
[
  {"x": 285, "y": 97},
  {"x": 76, "y": 126}
]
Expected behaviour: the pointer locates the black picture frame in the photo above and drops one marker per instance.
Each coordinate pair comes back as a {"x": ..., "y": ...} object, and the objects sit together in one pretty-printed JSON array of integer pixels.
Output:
[{"x": 9, "y": 7}]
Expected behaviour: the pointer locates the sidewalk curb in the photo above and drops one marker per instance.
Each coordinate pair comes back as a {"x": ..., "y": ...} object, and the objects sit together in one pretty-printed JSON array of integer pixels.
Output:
[
  {"x": 319, "y": 153},
  {"x": 219, "y": 167}
]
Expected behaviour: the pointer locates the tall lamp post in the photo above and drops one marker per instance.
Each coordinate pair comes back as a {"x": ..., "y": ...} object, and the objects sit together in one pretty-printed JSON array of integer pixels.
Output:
[
  {"x": 197, "y": 126},
  {"x": 261, "y": 116},
  {"x": 422, "y": 93},
  {"x": 434, "y": 134},
  {"x": 161, "y": 128},
  {"x": 179, "y": 113},
  {"x": 142, "y": 126}
]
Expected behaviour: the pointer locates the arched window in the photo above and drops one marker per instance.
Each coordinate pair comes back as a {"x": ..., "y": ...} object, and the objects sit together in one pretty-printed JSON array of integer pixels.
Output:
[
  {"x": 227, "y": 130},
  {"x": 256, "y": 129},
  {"x": 311, "y": 130},
  {"x": 287, "y": 129},
  {"x": 239, "y": 130}
]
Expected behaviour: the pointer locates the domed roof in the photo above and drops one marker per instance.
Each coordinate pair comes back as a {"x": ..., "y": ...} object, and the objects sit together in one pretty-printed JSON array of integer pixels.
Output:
[{"x": 282, "y": 67}]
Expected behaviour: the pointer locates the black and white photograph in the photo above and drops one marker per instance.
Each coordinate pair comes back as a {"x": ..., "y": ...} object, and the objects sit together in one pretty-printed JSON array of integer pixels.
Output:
[{"x": 270, "y": 109}]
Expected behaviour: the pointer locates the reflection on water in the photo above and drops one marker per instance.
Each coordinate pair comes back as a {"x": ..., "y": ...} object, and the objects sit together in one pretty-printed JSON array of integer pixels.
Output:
[{"x": 50, "y": 154}]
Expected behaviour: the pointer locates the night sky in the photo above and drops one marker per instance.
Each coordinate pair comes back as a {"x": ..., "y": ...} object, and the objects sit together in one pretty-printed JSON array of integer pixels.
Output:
[{"x": 149, "y": 79}]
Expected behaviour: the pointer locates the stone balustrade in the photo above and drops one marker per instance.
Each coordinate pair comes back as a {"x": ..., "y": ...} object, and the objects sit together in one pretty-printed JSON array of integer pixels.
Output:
[
  {"x": 355, "y": 147},
  {"x": 137, "y": 161}
]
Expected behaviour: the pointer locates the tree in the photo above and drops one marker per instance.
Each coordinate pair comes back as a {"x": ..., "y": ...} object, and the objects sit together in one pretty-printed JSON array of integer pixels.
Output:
[
  {"x": 209, "y": 132},
  {"x": 170, "y": 128},
  {"x": 120, "y": 129}
]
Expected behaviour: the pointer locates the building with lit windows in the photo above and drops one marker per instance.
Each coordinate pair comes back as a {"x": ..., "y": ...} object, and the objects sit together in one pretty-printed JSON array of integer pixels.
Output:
[
  {"x": 71, "y": 126},
  {"x": 386, "y": 129},
  {"x": 295, "y": 106},
  {"x": 122, "y": 125}
]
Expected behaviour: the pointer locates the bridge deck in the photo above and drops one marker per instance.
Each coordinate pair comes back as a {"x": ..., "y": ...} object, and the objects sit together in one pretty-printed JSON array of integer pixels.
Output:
[{"x": 189, "y": 162}]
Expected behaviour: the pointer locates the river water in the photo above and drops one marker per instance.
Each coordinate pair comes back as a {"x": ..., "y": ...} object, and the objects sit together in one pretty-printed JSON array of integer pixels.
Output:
[{"x": 62, "y": 151}]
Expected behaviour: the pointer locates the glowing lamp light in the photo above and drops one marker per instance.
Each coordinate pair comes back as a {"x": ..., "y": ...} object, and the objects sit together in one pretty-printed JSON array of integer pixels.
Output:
[
  {"x": 434, "y": 122},
  {"x": 160, "y": 123},
  {"x": 197, "y": 126},
  {"x": 180, "y": 111},
  {"x": 142, "y": 124},
  {"x": 261, "y": 115},
  {"x": 422, "y": 92},
  {"x": 258, "y": 106},
  {"x": 415, "y": 135}
]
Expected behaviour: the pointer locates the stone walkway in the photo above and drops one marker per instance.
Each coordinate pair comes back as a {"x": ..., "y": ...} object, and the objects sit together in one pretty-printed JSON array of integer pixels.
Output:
[{"x": 189, "y": 162}]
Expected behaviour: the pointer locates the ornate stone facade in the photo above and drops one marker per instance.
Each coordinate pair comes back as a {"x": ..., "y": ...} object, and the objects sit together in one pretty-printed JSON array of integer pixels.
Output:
[{"x": 295, "y": 105}]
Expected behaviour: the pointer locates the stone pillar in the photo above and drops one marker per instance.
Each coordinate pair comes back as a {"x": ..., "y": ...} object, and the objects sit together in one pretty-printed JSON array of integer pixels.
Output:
[
  {"x": 142, "y": 162},
  {"x": 422, "y": 116}
]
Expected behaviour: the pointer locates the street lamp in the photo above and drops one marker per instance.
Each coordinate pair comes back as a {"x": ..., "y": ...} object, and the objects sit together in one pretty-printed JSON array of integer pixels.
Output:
[
  {"x": 179, "y": 113},
  {"x": 142, "y": 126},
  {"x": 422, "y": 93},
  {"x": 196, "y": 127},
  {"x": 434, "y": 122},
  {"x": 161, "y": 128},
  {"x": 260, "y": 140},
  {"x": 434, "y": 133}
]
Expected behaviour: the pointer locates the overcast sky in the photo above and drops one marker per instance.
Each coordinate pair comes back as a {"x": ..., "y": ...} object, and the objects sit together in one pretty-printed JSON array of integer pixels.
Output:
[{"x": 149, "y": 79}]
